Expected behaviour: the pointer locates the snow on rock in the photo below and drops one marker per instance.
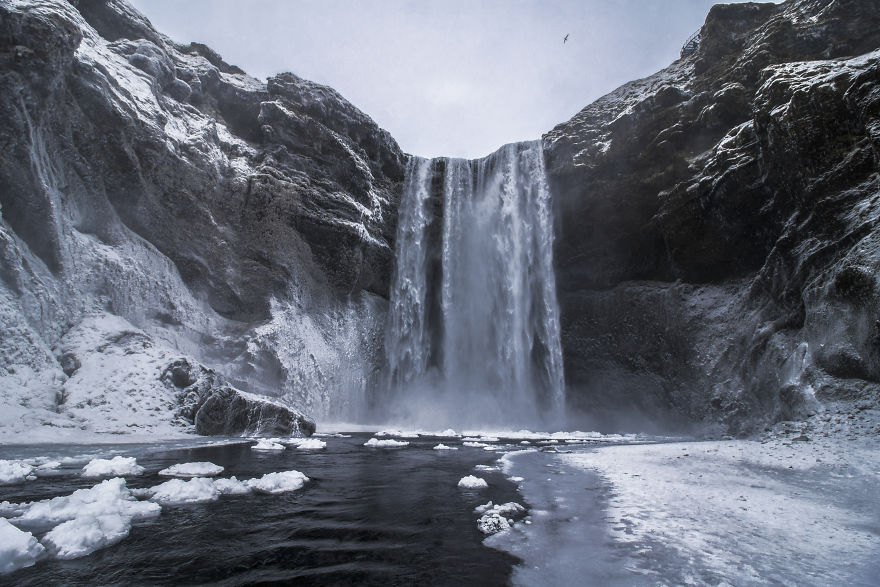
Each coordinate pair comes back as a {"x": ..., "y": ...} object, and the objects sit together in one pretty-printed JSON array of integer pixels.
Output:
[
  {"x": 471, "y": 482},
  {"x": 278, "y": 482},
  {"x": 268, "y": 444},
  {"x": 86, "y": 534},
  {"x": 307, "y": 443},
  {"x": 115, "y": 467},
  {"x": 177, "y": 491},
  {"x": 385, "y": 443},
  {"x": 442, "y": 446},
  {"x": 18, "y": 548},
  {"x": 197, "y": 469},
  {"x": 13, "y": 472}
]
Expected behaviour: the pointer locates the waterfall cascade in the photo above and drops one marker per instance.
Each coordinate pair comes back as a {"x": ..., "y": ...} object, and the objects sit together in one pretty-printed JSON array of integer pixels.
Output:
[{"x": 473, "y": 328}]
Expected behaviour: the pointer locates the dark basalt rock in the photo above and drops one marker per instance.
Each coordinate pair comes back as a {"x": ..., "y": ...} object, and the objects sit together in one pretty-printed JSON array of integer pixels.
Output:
[
  {"x": 161, "y": 184},
  {"x": 717, "y": 248},
  {"x": 216, "y": 408}
]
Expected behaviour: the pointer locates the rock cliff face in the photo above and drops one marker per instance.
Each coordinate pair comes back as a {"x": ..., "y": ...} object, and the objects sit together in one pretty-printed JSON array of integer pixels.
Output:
[
  {"x": 180, "y": 242},
  {"x": 717, "y": 243},
  {"x": 243, "y": 225}
]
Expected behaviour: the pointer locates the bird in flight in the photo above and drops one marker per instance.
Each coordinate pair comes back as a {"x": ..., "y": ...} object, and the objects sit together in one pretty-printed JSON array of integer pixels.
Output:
[{"x": 565, "y": 39}]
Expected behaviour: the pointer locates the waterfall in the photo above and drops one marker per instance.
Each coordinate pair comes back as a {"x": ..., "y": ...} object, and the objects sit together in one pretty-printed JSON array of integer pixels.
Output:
[{"x": 473, "y": 327}]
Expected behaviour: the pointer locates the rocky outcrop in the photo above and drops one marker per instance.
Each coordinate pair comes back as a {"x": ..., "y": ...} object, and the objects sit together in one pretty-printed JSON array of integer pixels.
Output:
[
  {"x": 717, "y": 249},
  {"x": 248, "y": 225},
  {"x": 216, "y": 408}
]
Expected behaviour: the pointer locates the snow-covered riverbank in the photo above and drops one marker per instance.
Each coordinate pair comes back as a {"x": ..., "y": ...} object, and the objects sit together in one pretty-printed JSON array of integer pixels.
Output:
[{"x": 775, "y": 510}]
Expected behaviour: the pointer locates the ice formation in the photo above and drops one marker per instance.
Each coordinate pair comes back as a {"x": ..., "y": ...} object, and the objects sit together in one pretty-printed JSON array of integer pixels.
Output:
[
  {"x": 197, "y": 469},
  {"x": 268, "y": 444},
  {"x": 18, "y": 549},
  {"x": 385, "y": 443},
  {"x": 278, "y": 482},
  {"x": 115, "y": 467},
  {"x": 471, "y": 482}
]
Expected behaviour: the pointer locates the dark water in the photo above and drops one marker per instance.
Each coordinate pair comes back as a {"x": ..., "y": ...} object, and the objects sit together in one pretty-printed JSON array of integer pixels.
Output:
[{"x": 367, "y": 517}]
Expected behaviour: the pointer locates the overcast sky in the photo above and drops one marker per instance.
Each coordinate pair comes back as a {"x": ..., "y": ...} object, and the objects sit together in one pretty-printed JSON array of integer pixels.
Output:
[{"x": 454, "y": 77}]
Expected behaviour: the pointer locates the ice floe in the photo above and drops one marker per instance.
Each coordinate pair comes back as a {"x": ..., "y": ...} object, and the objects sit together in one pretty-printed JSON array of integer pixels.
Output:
[
  {"x": 278, "y": 482},
  {"x": 13, "y": 472},
  {"x": 442, "y": 446},
  {"x": 178, "y": 491},
  {"x": 18, "y": 549},
  {"x": 196, "y": 469},
  {"x": 471, "y": 482},
  {"x": 115, "y": 467},
  {"x": 268, "y": 444},
  {"x": 495, "y": 518},
  {"x": 307, "y": 443},
  {"x": 385, "y": 443}
]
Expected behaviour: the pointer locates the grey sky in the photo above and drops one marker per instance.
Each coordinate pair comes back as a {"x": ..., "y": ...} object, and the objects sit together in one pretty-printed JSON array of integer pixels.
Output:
[{"x": 454, "y": 77}]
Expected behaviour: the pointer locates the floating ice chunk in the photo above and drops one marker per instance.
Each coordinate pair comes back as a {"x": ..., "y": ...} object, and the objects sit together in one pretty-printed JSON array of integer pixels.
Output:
[
  {"x": 18, "y": 548},
  {"x": 485, "y": 468},
  {"x": 307, "y": 443},
  {"x": 110, "y": 496},
  {"x": 448, "y": 433},
  {"x": 177, "y": 491},
  {"x": 278, "y": 482},
  {"x": 331, "y": 435},
  {"x": 12, "y": 472},
  {"x": 115, "y": 467},
  {"x": 442, "y": 446},
  {"x": 495, "y": 517},
  {"x": 508, "y": 508},
  {"x": 525, "y": 442},
  {"x": 398, "y": 433},
  {"x": 85, "y": 534},
  {"x": 197, "y": 469},
  {"x": 267, "y": 444},
  {"x": 231, "y": 486},
  {"x": 385, "y": 443},
  {"x": 475, "y": 444},
  {"x": 471, "y": 482}
]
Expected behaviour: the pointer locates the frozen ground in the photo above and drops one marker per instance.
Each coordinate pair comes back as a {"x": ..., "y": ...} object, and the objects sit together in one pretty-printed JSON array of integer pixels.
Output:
[{"x": 771, "y": 511}]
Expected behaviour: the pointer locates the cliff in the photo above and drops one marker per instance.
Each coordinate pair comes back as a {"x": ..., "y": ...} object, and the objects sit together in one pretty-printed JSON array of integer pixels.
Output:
[
  {"x": 242, "y": 225},
  {"x": 717, "y": 250}
]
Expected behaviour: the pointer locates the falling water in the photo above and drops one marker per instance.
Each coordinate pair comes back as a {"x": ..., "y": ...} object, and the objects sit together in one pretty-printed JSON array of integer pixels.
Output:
[{"x": 473, "y": 331}]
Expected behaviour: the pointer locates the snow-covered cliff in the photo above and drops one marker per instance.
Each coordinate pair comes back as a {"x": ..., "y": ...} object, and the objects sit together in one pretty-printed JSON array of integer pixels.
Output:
[{"x": 160, "y": 206}]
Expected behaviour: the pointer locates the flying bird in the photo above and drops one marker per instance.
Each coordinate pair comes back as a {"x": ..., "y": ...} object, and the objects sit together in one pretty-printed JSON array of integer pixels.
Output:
[{"x": 565, "y": 39}]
